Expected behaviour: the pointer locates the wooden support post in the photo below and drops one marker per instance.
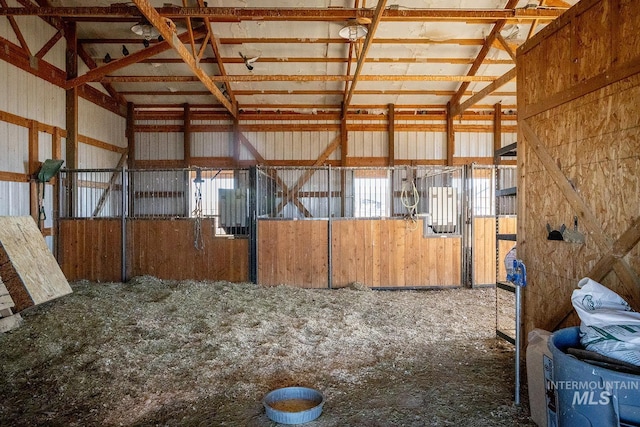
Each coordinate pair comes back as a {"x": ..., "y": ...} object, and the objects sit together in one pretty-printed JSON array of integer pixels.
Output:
[
  {"x": 131, "y": 136},
  {"x": 72, "y": 95},
  {"x": 34, "y": 165},
  {"x": 391, "y": 133},
  {"x": 451, "y": 136},
  {"x": 56, "y": 148},
  {"x": 187, "y": 135},
  {"x": 497, "y": 131},
  {"x": 71, "y": 111},
  {"x": 344, "y": 142}
]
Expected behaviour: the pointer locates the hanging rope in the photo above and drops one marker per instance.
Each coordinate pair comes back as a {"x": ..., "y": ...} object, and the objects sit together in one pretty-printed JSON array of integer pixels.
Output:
[
  {"x": 410, "y": 197},
  {"x": 198, "y": 241}
]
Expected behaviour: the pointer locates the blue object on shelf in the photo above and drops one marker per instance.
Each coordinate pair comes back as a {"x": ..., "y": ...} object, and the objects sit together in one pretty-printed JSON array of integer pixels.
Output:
[
  {"x": 289, "y": 393},
  {"x": 589, "y": 395}
]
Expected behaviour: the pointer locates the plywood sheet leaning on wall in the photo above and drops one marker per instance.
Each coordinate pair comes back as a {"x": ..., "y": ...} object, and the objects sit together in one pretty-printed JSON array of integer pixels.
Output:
[{"x": 27, "y": 267}]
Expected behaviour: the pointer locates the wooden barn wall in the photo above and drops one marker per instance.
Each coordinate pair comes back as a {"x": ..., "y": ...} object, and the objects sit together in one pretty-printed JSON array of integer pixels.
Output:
[
  {"x": 92, "y": 250},
  {"x": 32, "y": 123},
  {"x": 484, "y": 248},
  {"x": 29, "y": 108},
  {"x": 97, "y": 124},
  {"x": 578, "y": 92},
  {"x": 377, "y": 253}
]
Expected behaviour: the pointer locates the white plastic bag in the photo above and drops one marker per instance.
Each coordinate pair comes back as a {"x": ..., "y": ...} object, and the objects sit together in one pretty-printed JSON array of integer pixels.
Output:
[{"x": 608, "y": 325}]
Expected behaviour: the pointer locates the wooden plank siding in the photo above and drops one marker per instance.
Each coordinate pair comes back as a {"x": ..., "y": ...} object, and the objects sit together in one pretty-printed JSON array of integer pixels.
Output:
[
  {"x": 91, "y": 249},
  {"x": 484, "y": 248},
  {"x": 165, "y": 249},
  {"x": 293, "y": 253},
  {"x": 392, "y": 253},
  {"x": 377, "y": 253}
]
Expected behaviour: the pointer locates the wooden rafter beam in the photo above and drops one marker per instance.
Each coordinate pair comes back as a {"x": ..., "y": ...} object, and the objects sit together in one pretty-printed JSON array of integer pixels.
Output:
[
  {"x": 86, "y": 58},
  {"x": 164, "y": 27},
  {"x": 292, "y": 40},
  {"x": 506, "y": 47},
  {"x": 16, "y": 29},
  {"x": 339, "y": 60},
  {"x": 97, "y": 73},
  {"x": 284, "y": 78},
  {"x": 490, "y": 88},
  {"x": 216, "y": 53},
  {"x": 231, "y": 14},
  {"x": 455, "y": 100},
  {"x": 311, "y": 92},
  {"x": 49, "y": 44},
  {"x": 375, "y": 21},
  {"x": 190, "y": 31}
]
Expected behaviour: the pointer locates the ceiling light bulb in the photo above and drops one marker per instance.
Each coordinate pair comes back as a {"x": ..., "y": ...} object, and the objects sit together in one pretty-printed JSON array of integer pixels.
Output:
[{"x": 353, "y": 32}]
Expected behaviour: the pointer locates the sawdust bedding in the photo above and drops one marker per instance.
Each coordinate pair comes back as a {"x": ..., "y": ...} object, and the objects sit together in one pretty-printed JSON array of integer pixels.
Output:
[{"x": 169, "y": 353}]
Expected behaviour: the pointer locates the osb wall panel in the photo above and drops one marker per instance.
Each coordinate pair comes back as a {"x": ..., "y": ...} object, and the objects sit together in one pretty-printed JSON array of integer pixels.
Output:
[
  {"x": 484, "y": 248},
  {"x": 293, "y": 253},
  {"x": 165, "y": 249},
  {"x": 593, "y": 137},
  {"x": 90, "y": 249},
  {"x": 392, "y": 253}
]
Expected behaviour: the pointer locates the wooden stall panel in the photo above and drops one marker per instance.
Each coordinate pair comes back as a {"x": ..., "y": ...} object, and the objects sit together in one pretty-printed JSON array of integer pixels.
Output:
[
  {"x": 90, "y": 249},
  {"x": 392, "y": 253},
  {"x": 484, "y": 248},
  {"x": 166, "y": 249},
  {"x": 484, "y": 251},
  {"x": 506, "y": 225},
  {"x": 293, "y": 253}
]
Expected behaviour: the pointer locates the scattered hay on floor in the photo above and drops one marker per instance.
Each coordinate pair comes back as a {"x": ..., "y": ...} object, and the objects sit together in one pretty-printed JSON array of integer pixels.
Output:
[{"x": 186, "y": 353}]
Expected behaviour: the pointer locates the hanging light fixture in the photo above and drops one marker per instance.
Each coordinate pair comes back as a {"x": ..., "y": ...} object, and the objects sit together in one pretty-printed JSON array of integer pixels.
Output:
[
  {"x": 145, "y": 30},
  {"x": 353, "y": 31}
]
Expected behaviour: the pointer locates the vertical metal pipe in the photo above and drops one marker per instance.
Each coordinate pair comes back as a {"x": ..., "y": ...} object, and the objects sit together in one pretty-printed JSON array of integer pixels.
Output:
[
  {"x": 517, "y": 381},
  {"x": 329, "y": 234},
  {"x": 123, "y": 224},
  {"x": 254, "y": 194}
]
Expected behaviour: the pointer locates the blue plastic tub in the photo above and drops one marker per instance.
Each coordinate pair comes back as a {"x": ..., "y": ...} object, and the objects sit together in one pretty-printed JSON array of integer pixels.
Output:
[
  {"x": 289, "y": 393},
  {"x": 589, "y": 395}
]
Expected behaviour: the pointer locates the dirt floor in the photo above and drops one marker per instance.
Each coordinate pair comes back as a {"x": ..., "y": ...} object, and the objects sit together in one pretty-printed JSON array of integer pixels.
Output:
[{"x": 166, "y": 353}]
